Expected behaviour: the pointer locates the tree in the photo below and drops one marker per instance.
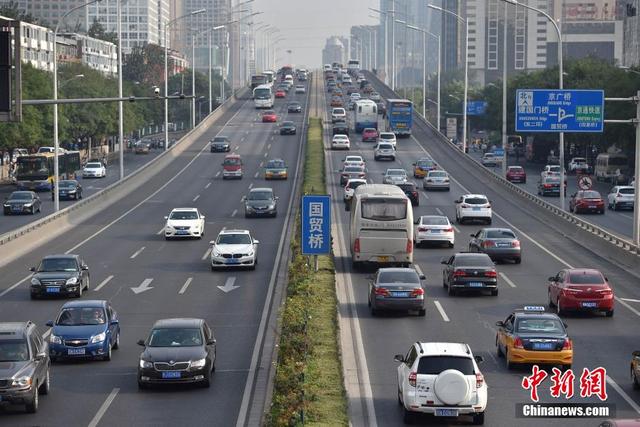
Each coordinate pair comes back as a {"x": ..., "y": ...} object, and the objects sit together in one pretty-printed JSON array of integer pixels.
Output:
[
  {"x": 98, "y": 31},
  {"x": 12, "y": 10}
]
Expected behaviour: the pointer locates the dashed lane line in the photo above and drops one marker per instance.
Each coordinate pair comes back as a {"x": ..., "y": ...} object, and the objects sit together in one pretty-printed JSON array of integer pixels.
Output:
[
  {"x": 136, "y": 253},
  {"x": 103, "y": 409},
  {"x": 206, "y": 253},
  {"x": 104, "y": 282},
  {"x": 196, "y": 198},
  {"x": 506, "y": 279},
  {"x": 207, "y": 186},
  {"x": 235, "y": 211},
  {"x": 441, "y": 310},
  {"x": 184, "y": 287}
]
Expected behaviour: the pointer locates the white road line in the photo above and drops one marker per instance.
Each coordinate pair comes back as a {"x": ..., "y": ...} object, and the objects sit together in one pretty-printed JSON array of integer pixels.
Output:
[
  {"x": 242, "y": 139},
  {"x": 441, "y": 310},
  {"x": 268, "y": 146},
  {"x": 185, "y": 286},
  {"x": 217, "y": 174},
  {"x": 266, "y": 154},
  {"x": 250, "y": 186},
  {"x": 633, "y": 310},
  {"x": 455, "y": 228},
  {"x": 15, "y": 285},
  {"x": 256, "y": 174},
  {"x": 236, "y": 148},
  {"x": 206, "y": 253},
  {"x": 506, "y": 279},
  {"x": 136, "y": 253},
  {"x": 627, "y": 216},
  {"x": 261, "y": 164},
  {"x": 160, "y": 231},
  {"x": 105, "y": 405},
  {"x": 424, "y": 193},
  {"x": 630, "y": 299},
  {"x": 207, "y": 186},
  {"x": 439, "y": 211},
  {"x": 196, "y": 198},
  {"x": 622, "y": 393},
  {"x": 46, "y": 334},
  {"x": 235, "y": 211},
  {"x": 104, "y": 282},
  {"x": 418, "y": 269}
]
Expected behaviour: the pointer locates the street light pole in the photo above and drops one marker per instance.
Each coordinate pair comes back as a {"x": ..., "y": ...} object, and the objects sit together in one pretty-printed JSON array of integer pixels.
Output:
[
  {"x": 193, "y": 80},
  {"x": 504, "y": 94},
  {"x": 386, "y": 44},
  {"x": 120, "y": 104}
]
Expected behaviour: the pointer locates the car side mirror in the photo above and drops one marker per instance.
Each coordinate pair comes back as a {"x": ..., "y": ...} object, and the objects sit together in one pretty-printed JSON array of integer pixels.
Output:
[
  {"x": 244, "y": 198},
  {"x": 85, "y": 267},
  {"x": 166, "y": 217},
  {"x": 202, "y": 216},
  {"x": 565, "y": 325},
  {"x": 416, "y": 222},
  {"x": 114, "y": 322},
  {"x": 49, "y": 323},
  {"x": 422, "y": 276},
  {"x": 32, "y": 269},
  {"x": 141, "y": 342},
  {"x": 211, "y": 341},
  {"x": 443, "y": 261},
  {"x": 636, "y": 353},
  {"x": 500, "y": 324},
  {"x": 277, "y": 198},
  {"x": 478, "y": 359},
  {"x": 472, "y": 235},
  {"x": 457, "y": 202},
  {"x": 552, "y": 279},
  {"x": 41, "y": 356},
  {"x": 256, "y": 242},
  {"x": 399, "y": 358},
  {"x": 606, "y": 279}
]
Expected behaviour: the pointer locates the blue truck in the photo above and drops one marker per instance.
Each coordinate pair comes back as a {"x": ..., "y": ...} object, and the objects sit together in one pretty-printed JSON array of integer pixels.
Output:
[{"x": 399, "y": 116}]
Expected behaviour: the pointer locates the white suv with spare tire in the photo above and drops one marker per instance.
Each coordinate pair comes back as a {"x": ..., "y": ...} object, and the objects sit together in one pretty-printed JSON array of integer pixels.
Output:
[{"x": 441, "y": 379}]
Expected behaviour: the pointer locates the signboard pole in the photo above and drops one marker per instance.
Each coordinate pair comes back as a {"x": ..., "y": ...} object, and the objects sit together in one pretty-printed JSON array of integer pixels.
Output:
[
  {"x": 315, "y": 263},
  {"x": 636, "y": 193}
]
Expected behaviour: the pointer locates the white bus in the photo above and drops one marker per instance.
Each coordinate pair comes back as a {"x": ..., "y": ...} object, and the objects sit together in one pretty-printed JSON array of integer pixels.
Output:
[
  {"x": 263, "y": 96},
  {"x": 608, "y": 165},
  {"x": 353, "y": 65},
  {"x": 381, "y": 228},
  {"x": 365, "y": 115},
  {"x": 271, "y": 75}
]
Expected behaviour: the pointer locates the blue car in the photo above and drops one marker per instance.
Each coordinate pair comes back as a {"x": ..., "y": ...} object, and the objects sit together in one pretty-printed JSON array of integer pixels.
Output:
[{"x": 84, "y": 329}]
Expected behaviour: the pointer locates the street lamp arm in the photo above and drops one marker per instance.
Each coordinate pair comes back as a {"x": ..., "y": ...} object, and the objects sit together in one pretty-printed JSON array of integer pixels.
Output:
[
  {"x": 458, "y": 17},
  {"x": 70, "y": 11}
]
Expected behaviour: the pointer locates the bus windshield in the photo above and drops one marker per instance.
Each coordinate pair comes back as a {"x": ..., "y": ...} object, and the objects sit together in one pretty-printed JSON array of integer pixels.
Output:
[
  {"x": 32, "y": 167},
  {"x": 384, "y": 209},
  {"x": 262, "y": 93}
]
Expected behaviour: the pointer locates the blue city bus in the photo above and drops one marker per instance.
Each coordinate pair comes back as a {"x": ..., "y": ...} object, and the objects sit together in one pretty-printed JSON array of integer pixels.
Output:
[
  {"x": 399, "y": 116},
  {"x": 35, "y": 172}
]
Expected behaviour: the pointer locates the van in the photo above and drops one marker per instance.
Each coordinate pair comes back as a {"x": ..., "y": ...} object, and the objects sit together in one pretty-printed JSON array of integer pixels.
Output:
[
  {"x": 232, "y": 166},
  {"x": 608, "y": 165}
]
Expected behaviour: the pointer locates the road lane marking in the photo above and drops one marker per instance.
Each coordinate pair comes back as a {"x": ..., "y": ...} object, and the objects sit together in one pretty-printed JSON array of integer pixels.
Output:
[
  {"x": 136, "y": 253},
  {"x": 185, "y": 286},
  {"x": 15, "y": 285},
  {"x": 250, "y": 186},
  {"x": 418, "y": 270},
  {"x": 630, "y": 299},
  {"x": 242, "y": 139},
  {"x": 633, "y": 310},
  {"x": 206, "y": 253},
  {"x": 228, "y": 285},
  {"x": 261, "y": 164},
  {"x": 236, "y": 148},
  {"x": 143, "y": 287},
  {"x": 622, "y": 393},
  {"x": 256, "y": 174},
  {"x": 105, "y": 405},
  {"x": 266, "y": 154},
  {"x": 217, "y": 174},
  {"x": 235, "y": 211},
  {"x": 196, "y": 198},
  {"x": 46, "y": 334},
  {"x": 104, "y": 282},
  {"x": 424, "y": 193},
  {"x": 160, "y": 231},
  {"x": 441, "y": 310},
  {"x": 268, "y": 146},
  {"x": 439, "y": 211},
  {"x": 506, "y": 279},
  {"x": 207, "y": 186}
]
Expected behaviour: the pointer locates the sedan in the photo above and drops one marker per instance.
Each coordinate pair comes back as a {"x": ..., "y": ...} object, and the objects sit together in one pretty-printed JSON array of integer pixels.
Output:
[
  {"x": 177, "y": 351},
  {"x": 369, "y": 135},
  {"x": 423, "y": 166},
  {"x": 94, "y": 170},
  {"x": 489, "y": 159},
  {"x": 294, "y": 107},
  {"x": 56, "y": 275},
  {"x": 220, "y": 144},
  {"x": 374, "y": 96},
  {"x": 384, "y": 150},
  {"x": 234, "y": 248},
  {"x": 580, "y": 289},
  {"x": 436, "y": 180},
  {"x": 351, "y": 172},
  {"x": 340, "y": 142},
  {"x": 184, "y": 222},
  {"x": 269, "y": 116},
  {"x": 69, "y": 189},
  {"x": 433, "y": 228},
  {"x": 301, "y": 89},
  {"x": 396, "y": 289},
  {"x": 498, "y": 243},
  {"x": 586, "y": 201},
  {"x": 350, "y": 188},
  {"x": 84, "y": 329},
  {"x": 22, "y": 202},
  {"x": 411, "y": 191},
  {"x": 516, "y": 174},
  {"x": 340, "y": 128},
  {"x": 353, "y": 161},
  {"x": 275, "y": 169},
  {"x": 336, "y": 101},
  {"x": 394, "y": 176},
  {"x": 280, "y": 93},
  {"x": 389, "y": 137},
  {"x": 621, "y": 197},
  {"x": 287, "y": 128},
  {"x": 260, "y": 202},
  {"x": 468, "y": 272},
  {"x": 549, "y": 185},
  {"x": 141, "y": 148}
]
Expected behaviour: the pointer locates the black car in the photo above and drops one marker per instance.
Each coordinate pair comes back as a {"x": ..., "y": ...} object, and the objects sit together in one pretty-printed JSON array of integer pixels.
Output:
[
  {"x": 220, "y": 144},
  {"x": 70, "y": 189},
  {"x": 340, "y": 128},
  {"x": 467, "y": 271},
  {"x": 177, "y": 351},
  {"x": 294, "y": 107},
  {"x": 260, "y": 202},
  {"x": 287, "y": 128},
  {"x": 24, "y": 364},
  {"x": 411, "y": 190},
  {"x": 22, "y": 202},
  {"x": 60, "y": 275},
  {"x": 397, "y": 289}
]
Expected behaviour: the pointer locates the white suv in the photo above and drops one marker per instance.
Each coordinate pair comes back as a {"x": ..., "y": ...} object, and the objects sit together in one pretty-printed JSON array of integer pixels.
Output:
[
  {"x": 389, "y": 137},
  {"x": 473, "y": 206},
  {"x": 338, "y": 114},
  {"x": 441, "y": 379}
]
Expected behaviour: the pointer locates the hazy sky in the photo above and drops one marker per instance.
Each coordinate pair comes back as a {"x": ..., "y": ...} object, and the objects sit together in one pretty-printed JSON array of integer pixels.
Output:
[{"x": 306, "y": 24}]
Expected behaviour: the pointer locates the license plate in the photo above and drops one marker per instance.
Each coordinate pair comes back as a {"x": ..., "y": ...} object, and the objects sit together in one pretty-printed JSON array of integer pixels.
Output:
[
  {"x": 476, "y": 284},
  {"x": 504, "y": 245},
  {"x": 436, "y": 231},
  {"x": 171, "y": 374},
  {"x": 53, "y": 290},
  {"x": 233, "y": 261},
  {"x": 16, "y": 208},
  {"x": 590, "y": 304},
  {"x": 446, "y": 413},
  {"x": 400, "y": 294},
  {"x": 76, "y": 351},
  {"x": 543, "y": 346},
  {"x": 476, "y": 209},
  {"x": 383, "y": 259},
  {"x": 592, "y": 206},
  {"x": 182, "y": 232}
]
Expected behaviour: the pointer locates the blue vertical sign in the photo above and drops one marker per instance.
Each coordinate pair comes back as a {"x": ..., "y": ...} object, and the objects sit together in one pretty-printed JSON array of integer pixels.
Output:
[{"x": 316, "y": 225}]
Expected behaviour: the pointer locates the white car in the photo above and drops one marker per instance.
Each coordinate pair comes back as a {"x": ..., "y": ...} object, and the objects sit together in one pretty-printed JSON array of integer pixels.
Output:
[
  {"x": 353, "y": 161},
  {"x": 94, "y": 170},
  {"x": 394, "y": 176},
  {"x": 551, "y": 170},
  {"x": 578, "y": 164},
  {"x": 433, "y": 228},
  {"x": 338, "y": 114},
  {"x": 441, "y": 379},
  {"x": 389, "y": 137},
  {"x": 621, "y": 197},
  {"x": 473, "y": 207},
  {"x": 355, "y": 96},
  {"x": 351, "y": 186},
  {"x": 384, "y": 150},
  {"x": 234, "y": 248},
  {"x": 340, "y": 142},
  {"x": 301, "y": 89},
  {"x": 374, "y": 96},
  {"x": 489, "y": 159},
  {"x": 184, "y": 222},
  {"x": 436, "y": 180},
  {"x": 51, "y": 150}
]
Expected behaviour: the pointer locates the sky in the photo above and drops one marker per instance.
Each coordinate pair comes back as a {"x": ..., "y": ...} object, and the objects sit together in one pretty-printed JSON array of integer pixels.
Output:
[{"x": 306, "y": 24}]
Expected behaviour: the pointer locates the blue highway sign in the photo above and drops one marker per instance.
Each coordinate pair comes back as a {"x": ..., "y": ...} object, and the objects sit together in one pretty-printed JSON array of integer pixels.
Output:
[
  {"x": 316, "y": 225},
  {"x": 476, "y": 108}
]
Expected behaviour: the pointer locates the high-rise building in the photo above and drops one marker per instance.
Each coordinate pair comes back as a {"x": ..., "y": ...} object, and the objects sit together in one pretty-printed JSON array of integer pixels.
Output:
[
  {"x": 217, "y": 13},
  {"x": 631, "y": 22},
  {"x": 334, "y": 51}
]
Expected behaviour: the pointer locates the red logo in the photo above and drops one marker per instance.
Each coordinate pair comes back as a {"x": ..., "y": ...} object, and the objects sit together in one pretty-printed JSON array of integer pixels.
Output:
[
  {"x": 532, "y": 382},
  {"x": 562, "y": 383},
  {"x": 592, "y": 383}
]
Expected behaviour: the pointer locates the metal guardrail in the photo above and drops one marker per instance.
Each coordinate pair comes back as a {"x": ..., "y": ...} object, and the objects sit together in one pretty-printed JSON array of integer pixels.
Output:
[
  {"x": 35, "y": 225},
  {"x": 605, "y": 235}
]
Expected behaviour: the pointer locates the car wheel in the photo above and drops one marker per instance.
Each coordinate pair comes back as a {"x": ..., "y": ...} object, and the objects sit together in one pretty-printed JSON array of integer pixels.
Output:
[
  {"x": 510, "y": 364},
  {"x": 615, "y": 206},
  {"x": 609, "y": 206},
  {"x": 451, "y": 291},
  {"x": 489, "y": 221},
  {"x": 206, "y": 383},
  {"x": 374, "y": 312},
  {"x": 636, "y": 384},
  {"x": 46, "y": 385},
  {"x": 422, "y": 312},
  {"x": 32, "y": 405},
  {"x": 33, "y": 210},
  {"x": 551, "y": 304},
  {"x": 116, "y": 344},
  {"x": 34, "y": 295},
  {"x": 609, "y": 313},
  {"x": 39, "y": 208},
  {"x": 498, "y": 349},
  {"x": 107, "y": 356},
  {"x": 86, "y": 288},
  {"x": 399, "y": 397},
  {"x": 142, "y": 386},
  {"x": 478, "y": 419},
  {"x": 559, "y": 310},
  {"x": 79, "y": 291}
]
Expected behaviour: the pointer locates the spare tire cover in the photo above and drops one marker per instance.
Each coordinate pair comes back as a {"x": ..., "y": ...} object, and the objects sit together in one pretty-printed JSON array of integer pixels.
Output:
[{"x": 451, "y": 387}]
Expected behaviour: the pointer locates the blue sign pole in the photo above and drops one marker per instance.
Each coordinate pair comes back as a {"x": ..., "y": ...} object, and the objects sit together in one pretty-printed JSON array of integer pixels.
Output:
[{"x": 316, "y": 225}]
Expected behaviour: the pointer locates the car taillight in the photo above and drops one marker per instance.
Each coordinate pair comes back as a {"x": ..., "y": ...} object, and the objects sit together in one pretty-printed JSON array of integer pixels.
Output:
[
  {"x": 479, "y": 380},
  {"x": 356, "y": 246},
  {"x": 567, "y": 344},
  {"x": 464, "y": 205},
  {"x": 488, "y": 244},
  {"x": 606, "y": 291},
  {"x": 490, "y": 273},
  {"x": 515, "y": 244},
  {"x": 417, "y": 292},
  {"x": 459, "y": 273},
  {"x": 423, "y": 229},
  {"x": 448, "y": 230},
  {"x": 517, "y": 343},
  {"x": 413, "y": 376},
  {"x": 409, "y": 246},
  {"x": 414, "y": 193},
  {"x": 547, "y": 185},
  {"x": 361, "y": 175},
  {"x": 381, "y": 292}
]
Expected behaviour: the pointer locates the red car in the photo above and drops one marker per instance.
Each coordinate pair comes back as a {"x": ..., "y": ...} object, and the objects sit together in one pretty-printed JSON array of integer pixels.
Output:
[
  {"x": 586, "y": 201},
  {"x": 369, "y": 135},
  {"x": 580, "y": 289},
  {"x": 269, "y": 116},
  {"x": 516, "y": 174},
  {"x": 281, "y": 93}
]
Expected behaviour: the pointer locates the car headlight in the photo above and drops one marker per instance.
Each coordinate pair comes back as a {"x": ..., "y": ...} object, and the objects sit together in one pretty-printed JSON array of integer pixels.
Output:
[
  {"x": 28, "y": 205},
  {"x": 35, "y": 281},
  {"x": 71, "y": 191},
  {"x": 145, "y": 364},
  {"x": 251, "y": 253},
  {"x": 22, "y": 382},
  {"x": 98, "y": 338},
  {"x": 215, "y": 252},
  {"x": 72, "y": 281},
  {"x": 168, "y": 227},
  {"x": 54, "y": 339},
  {"x": 272, "y": 206},
  {"x": 199, "y": 364}
]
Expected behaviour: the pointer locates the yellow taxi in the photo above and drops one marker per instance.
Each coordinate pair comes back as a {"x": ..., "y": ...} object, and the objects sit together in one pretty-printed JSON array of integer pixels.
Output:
[
  {"x": 275, "y": 169},
  {"x": 530, "y": 335},
  {"x": 423, "y": 166}
]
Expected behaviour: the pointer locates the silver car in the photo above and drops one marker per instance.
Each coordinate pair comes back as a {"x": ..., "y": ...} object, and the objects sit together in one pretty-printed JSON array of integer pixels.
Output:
[
  {"x": 498, "y": 243},
  {"x": 394, "y": 176},
  {"x": 436, "y": 180},
  {"x": 384, "y": 150}
]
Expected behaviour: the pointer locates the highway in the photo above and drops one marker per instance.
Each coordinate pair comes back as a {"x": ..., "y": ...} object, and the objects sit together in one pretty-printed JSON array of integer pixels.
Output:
[
  {"x": 124, "y": 248},
  {"x": 598, "y": 341}
]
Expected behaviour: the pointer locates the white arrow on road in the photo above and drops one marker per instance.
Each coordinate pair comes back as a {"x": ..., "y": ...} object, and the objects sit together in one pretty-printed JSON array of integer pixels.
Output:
[
  {"x": 143, "y": 287},
  {"x": 228, "y": 285}
]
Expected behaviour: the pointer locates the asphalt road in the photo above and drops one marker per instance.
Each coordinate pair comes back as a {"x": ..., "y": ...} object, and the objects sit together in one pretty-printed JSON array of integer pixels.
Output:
[
  {"x": 123, "y": 247},
  {"x": 598, "y": 341}
]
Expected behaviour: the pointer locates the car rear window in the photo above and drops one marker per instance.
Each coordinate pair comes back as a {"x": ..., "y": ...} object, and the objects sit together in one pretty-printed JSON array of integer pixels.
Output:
[
  {"x": 409, "y": 186},
  {"x": 626, "y": 191},
  {"x": 396, "y": 172},
  {"x": 475, "y": 260},
  {"x": 384, "y": 209},
  {"x": 500, "y": 234},
  {"x": 355, "y": 184},
  {"x": 398, "y": 277},
  {"x": 434, "y": 365},
  {"x": 591, "y": 195},
  {"x": 434, "y": 220},
  {"x": 387, "y": 135},
  {"x": 476, "y": 200},
  {"x": 515, "y": 169},
  {"x": 385, "y": 146},
  {"x": 590, "y": 278},
  {"x": 353, "y": 169},
  {"x": 439, "y": 174},
  {"x": 536, "y": 325}
]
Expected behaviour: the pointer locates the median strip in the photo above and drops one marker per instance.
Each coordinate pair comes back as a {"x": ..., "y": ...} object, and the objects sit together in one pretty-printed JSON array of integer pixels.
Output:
[{"x": 309, "y": 386}]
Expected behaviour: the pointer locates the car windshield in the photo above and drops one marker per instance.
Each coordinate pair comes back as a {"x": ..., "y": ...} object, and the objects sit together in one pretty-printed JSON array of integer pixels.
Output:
[
  {"x": 220, "y": 139},
  {"x": 175, "y": 337},
  {"x": 398, "y": 277},
  {"x": 434, "y": 220},
  {"x": 269, "y": 113},
  {"x": 386, "y": 135},
  {"x": 409, "y": 186},
  {"x": 434, "y": 365},
  {"x": 93, "y": 165},
  {"x": 437, "y": 174},
  {"x": 260, "y": 195},
  {"x": 384, "y": 209},
  {"x": 425, "y": 163},
  {"x": 58, "y": 264},
  {"x": 467, "y": 260},
  {"x": 67, "y": 184},
  {"x": 476, "y": 200},
  {"x": 535, "y": 325},
  {"x": 285, "y": 124},
  {"x": 179, "y": 215},
  {"x": 579, "y": 160},
  {"x": 500, "y": 234},
  {"x": 591, "y": 195},
  {"x": 232, "y": 162},
  {"x": 234, "y": 239},
  {"x": 385, "y": 147},
  {"x": 14, "y": 351},
  {"x": 488, "y": 155},
  {"x": 353, "y": 159},
  {"x": 515, "y": 169},
  {"x": 552, "y": 179},
  {"x": 586, "y": 278},
  {"x": 78, "y": 316},
  {"x": 396, "y": 172},
  {"x": 275, "y": 164},
  {"x": 20, "y": 195},
  {"x": 369, "y": 130},
  {"x": 294, "y": 104},
  {"x": 626, "y": 191}
]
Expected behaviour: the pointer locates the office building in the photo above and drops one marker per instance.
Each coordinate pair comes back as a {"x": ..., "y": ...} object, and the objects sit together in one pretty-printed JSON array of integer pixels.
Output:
[{"x": 334, "y": 51}]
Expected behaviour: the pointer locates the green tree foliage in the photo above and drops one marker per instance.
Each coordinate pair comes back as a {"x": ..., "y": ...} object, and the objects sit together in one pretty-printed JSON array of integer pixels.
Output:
[
  {"x": 98, "y": 31},
  {"x": 12, "y": 10}
]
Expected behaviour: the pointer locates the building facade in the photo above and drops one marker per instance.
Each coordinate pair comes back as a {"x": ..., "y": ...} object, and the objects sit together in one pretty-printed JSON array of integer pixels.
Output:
[{"x": 334, "y": 51}]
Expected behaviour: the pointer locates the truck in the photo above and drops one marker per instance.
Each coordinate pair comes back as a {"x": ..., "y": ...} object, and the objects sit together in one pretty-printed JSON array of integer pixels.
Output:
[{"x": 399, "y": 118}]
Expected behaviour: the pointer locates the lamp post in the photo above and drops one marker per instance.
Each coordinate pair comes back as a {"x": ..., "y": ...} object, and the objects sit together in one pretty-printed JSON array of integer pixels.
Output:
[
  {"x": 504, "y": 94},
  {"x": 56, "y": 141},
  {"x": 386, "y": 45},
  {"x": 166, "y": 73},
  {"x": 560, "y": 86},
  {"x": 120, "y": 104},
  {"x": 466, "y": 71},
  {"x": 424, "y": 70}
]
